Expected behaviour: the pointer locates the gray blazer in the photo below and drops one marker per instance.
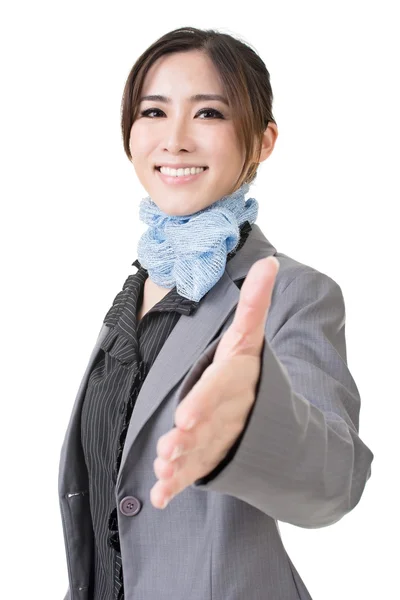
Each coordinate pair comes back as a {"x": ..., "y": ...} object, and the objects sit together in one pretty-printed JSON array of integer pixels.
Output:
[{"x": 301, "y": 459}]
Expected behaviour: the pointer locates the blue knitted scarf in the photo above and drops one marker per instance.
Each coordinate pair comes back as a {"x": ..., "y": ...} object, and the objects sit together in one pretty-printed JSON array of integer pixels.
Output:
[{"x": 190, "y": 251}]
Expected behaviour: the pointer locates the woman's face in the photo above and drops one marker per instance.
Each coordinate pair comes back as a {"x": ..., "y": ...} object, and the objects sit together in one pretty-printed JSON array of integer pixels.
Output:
[{"x": 178, "y": 130}]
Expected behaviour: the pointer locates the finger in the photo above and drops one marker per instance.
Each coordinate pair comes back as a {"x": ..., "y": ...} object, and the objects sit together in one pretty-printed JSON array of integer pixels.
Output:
[
  {"x": 185, "y": 472},
  {"x": 246, "y": 332},
  {"x": 214, "y": 394},
  {"x": 165, "y": 469},
  {"x": 165, "y": 489},
  {"x": 175, "y": 443},
  {"x": 160, "y": 494}
]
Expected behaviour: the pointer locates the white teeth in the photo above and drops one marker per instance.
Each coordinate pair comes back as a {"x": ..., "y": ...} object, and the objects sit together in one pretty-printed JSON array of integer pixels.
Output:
[{"x": 181, "y": 172}]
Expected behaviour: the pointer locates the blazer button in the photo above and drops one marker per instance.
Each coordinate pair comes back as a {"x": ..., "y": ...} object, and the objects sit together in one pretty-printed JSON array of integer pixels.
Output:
[{"x": 130, "y": 506}]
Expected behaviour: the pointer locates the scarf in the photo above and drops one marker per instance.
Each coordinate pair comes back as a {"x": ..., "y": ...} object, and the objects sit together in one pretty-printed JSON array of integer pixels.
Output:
[{"x": 190, "y": 251}]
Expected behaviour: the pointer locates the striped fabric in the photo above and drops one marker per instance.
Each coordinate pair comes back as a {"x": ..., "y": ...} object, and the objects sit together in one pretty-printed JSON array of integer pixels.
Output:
[{"x": 129, "y": 351}]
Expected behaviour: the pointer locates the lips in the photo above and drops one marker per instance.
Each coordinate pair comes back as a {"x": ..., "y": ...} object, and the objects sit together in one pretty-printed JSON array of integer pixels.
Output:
[{"x": 177, "y": 181}]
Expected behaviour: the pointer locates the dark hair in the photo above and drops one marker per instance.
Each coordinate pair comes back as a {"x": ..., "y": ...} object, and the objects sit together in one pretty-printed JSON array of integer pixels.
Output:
[{"x": 244, "y": 76}]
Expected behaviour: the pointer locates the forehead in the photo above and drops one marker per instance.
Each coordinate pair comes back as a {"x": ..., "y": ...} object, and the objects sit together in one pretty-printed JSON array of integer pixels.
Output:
[{"x": 182, "y": 73}]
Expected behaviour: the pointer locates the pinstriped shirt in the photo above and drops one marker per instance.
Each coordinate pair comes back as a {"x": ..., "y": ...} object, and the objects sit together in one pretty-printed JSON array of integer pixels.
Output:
[{"x": 128, "y": 352}]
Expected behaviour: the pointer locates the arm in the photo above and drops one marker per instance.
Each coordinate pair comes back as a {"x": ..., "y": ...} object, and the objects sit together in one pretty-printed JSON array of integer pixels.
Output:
[{"x": 300, "y": 458}]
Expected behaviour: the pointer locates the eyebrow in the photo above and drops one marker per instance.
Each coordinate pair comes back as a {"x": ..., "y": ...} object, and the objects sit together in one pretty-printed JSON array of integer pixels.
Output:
[{"x": 195, "y": 98}]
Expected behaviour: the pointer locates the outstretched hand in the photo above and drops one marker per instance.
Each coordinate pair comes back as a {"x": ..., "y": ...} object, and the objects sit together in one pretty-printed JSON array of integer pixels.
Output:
[{"x": 213, "y": 414}]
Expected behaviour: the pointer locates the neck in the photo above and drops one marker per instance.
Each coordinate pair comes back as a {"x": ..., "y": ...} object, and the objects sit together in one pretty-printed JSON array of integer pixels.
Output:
[{"x": 191, "y": 251}]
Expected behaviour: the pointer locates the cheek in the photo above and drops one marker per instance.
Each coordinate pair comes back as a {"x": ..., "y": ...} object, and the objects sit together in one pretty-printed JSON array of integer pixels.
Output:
[
  {"x": 140, "y": 142},
  {"x": 226, "y": 150}
]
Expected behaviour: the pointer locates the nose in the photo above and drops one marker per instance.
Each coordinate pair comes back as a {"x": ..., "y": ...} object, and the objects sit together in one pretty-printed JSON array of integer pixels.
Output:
[{"x": 177, "y": 136}]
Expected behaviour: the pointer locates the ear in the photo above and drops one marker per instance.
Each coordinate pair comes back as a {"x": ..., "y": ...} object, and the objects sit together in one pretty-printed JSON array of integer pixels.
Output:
[{"x": 268, "y": 142}]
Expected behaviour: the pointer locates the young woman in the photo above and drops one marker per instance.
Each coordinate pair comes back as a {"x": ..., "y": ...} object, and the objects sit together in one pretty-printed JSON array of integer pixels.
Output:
[{"x": 217, "y": 399}]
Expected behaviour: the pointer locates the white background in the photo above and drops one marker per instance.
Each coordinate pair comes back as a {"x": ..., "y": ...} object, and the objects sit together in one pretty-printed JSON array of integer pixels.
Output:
[{"x": 69, "y": 200}]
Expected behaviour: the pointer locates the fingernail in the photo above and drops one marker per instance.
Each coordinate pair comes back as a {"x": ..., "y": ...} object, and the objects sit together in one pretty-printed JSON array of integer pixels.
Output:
[
  {"x": 165, "y": 502},
  {"x": 276, "y": 261},
  {"x": 177, "y": 451},
  {"x": 189, "y": 424}
]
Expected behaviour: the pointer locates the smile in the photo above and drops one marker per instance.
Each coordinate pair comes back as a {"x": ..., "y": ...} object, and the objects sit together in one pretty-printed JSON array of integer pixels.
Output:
[{"x": 181, "y": 177}]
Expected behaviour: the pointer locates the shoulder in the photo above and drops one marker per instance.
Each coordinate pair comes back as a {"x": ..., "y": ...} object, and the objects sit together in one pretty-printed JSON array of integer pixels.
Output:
[
  {"x": 307, "y": 307},
  {"x": 293, "y": 273}
]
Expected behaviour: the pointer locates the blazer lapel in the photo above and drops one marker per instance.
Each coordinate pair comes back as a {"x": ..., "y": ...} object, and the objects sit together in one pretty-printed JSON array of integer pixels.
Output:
[{"x": 192, "y": 334}]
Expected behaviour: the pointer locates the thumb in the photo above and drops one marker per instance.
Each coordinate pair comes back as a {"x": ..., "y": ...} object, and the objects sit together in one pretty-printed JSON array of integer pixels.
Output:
[{"x": 245, "y": 335}]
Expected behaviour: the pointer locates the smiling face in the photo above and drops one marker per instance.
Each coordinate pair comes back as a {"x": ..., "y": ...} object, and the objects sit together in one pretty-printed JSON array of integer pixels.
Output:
[{"x": 181, "y": 131}]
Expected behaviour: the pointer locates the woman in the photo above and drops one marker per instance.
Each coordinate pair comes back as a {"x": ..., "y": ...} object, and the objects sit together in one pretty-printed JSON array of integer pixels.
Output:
[{"x": 207, "y": 328}]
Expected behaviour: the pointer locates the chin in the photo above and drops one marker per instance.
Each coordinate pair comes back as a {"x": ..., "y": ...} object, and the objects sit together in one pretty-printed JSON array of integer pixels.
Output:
[{"x": 176, "y": 208}]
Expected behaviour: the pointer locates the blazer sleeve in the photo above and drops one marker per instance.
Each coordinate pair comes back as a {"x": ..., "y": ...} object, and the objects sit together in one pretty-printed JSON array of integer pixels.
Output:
[{"x": 299, "y": 458}]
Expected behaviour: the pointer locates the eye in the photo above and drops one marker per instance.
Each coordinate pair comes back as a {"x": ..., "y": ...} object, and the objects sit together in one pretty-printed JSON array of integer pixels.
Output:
[
  {"x": 145, "y": 113},
  {"x": 211, "y": 110},
  {"x": 216, "y": 113}
]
